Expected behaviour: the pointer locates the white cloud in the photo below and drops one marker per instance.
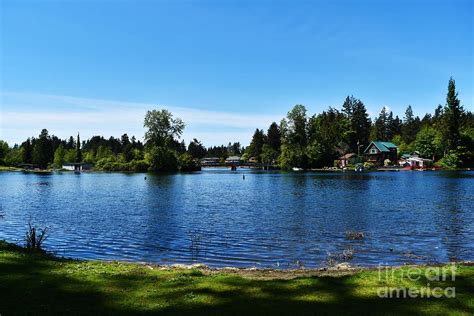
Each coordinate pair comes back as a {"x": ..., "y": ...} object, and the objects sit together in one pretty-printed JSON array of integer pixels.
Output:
[{"x": 24, "y": 115}]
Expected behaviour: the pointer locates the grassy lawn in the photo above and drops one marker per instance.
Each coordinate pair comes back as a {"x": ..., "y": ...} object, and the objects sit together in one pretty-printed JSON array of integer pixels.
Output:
[
  {"x": 6, "y": 168},
  {"x": 40, "y": 284}
]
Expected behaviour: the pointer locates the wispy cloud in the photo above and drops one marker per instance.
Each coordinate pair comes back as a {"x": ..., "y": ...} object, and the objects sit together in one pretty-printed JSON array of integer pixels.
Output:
[{"x": 25, "y": 114}]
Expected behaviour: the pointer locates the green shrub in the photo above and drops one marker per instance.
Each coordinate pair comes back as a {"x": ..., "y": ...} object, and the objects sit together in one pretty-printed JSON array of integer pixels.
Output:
[
  {"x": 449, "y": 161},
  {"x": 138, "y": 165},
  {"x": 368, "y": 165},
  {"x": 110, "y": 164},
  {"x": 187, "y": 163}
]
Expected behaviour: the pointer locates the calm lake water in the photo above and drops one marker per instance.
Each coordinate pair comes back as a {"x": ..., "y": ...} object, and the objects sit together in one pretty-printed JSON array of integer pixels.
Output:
[{"x": 270, "y": 219}]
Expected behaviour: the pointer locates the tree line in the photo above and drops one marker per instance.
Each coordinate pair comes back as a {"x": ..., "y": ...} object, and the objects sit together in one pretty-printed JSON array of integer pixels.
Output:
[
  {"x": 299, "y": 140},
  {"x": 446, "y": 136},
  {"x": 161, "y": 151}
]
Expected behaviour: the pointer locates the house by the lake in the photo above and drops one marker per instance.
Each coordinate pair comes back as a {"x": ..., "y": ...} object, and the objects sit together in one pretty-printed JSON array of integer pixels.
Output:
[
  {"x": 377, "y": 152},
  {"x": 414, "y": 160},
  {"x": 210, "y": 161},
  {"x": 418, "y": 162},
  {"x": 347, "y": 159},
  {"x": 77, "y": 166},
  {"x": 232, "y": 160}
]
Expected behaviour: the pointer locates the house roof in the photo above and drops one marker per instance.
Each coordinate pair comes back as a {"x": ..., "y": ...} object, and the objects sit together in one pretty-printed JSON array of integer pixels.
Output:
[
  {"x": 419, "y": 159},
  {"x": 233, "y": 158},
  {"x": 347, "y": 156},
  {"x": 382, "y": 146}
]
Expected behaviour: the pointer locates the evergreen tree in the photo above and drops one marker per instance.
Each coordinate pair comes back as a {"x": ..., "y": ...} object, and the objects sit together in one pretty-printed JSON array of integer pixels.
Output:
[
  {"x": 43, "y": 150},
  {"x": 27, "y": 152},
  {"x": 411, "y": 126},
  {"x": 78, "y": 157},
  {"x": 70, "y": 144},
  {"x": 396, "y": 126},
  {"x": 359, "y": 123},
  {"x": 125, "y": 141},
  {"x": 426, "y": 121},
  {"x": 255, "y": 147},
  {"x": 381, "y": 130},
  {"x": 4, "y": 150},
  {"x": 274, "y": 137},
  {"x": 196, "y": 149},
  {"x": 388, "y": 127},
  {"x": 453, "y": 112}
]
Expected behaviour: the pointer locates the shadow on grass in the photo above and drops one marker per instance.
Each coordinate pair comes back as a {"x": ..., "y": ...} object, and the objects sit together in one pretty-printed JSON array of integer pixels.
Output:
[{"x": 37, "y": 284}]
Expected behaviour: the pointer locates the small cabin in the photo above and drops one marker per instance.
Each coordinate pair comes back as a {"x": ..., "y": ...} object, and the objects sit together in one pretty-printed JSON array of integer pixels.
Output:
[
  {"x": 377, "y": 152},
  {"x": 347, "y": 159},
  {"x": 77, "y": 166}
]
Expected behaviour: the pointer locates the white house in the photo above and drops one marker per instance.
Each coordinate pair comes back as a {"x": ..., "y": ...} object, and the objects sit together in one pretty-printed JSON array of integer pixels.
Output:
[
  {"x": 233, "y": 160},
  {"x": 419, "y": 162},
  {"x": 77, "y": 166}
]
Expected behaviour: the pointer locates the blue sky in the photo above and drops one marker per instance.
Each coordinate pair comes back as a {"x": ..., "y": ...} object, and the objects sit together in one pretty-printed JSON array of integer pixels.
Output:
[{"x": 225, "y": 67}]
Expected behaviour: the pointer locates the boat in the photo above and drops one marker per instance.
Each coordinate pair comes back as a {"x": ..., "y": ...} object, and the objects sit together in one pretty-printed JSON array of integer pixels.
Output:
[{"x": 297, "y": 169}]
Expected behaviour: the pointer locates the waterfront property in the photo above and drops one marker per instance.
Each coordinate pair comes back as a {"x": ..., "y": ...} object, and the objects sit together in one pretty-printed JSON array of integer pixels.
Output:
[
  {"x": 347, "y": 159},
  {"x": 418, "y": 162},
  {"x": 414, "y": 160},
  {"x": 210, "y": 161},
  {"x": 77, "y": 166},
  {"x": 378, "y": 152},
  {"x": 233, "y": 160}
]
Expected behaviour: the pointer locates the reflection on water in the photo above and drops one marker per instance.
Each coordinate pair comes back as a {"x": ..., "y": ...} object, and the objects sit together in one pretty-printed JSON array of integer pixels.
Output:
[{"x": 269, "y": 219}]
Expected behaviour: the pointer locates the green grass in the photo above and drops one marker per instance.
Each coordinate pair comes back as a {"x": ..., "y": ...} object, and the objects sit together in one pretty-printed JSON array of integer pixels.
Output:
[
  {"x": 41, "y": 284},
  {"x": 6, "y": 168}
]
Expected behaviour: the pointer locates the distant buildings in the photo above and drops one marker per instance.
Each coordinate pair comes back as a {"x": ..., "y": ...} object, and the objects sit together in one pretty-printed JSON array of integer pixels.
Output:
[
  {"x": 210, "y": 161},
  {"x": 233, "y": 160},
  {"x": 347, "y": 159},
  {"x": 77, "y": 166},
  {"x": 414, "y": 160},
  {"x": 377, "y": 152}
]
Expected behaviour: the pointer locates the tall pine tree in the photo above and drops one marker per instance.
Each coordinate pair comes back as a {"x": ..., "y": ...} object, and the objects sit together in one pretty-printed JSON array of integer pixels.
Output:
[
  {"x": 453, "y": 113},
  {"x": 78, "y": 157}
]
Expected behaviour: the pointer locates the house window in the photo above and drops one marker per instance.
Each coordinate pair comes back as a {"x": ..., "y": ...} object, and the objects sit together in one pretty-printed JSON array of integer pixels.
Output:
[{"x": 373, "y": 151}]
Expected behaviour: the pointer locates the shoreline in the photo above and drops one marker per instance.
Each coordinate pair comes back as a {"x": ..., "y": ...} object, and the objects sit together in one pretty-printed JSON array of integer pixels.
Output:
[
  {"x": 342, "y": 268},
  {"x": 322, "y": 170}
]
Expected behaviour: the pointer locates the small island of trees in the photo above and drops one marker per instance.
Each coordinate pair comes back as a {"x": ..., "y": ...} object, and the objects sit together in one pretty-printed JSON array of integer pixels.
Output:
[{"x": 446, "y": 136}]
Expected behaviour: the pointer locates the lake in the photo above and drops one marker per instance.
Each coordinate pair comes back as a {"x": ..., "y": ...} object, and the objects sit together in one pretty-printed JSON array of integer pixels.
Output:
[{"x": 270, "y": 219}]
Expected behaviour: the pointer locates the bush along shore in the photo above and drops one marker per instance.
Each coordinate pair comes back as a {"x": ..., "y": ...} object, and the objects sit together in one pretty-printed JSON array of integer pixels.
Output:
[{"x": 34, "y": 282}]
